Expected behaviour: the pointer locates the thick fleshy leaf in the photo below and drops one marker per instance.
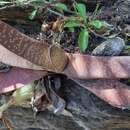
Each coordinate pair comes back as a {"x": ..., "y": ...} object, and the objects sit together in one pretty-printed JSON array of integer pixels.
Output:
[
  {"x": 99, "y": 24},
  {"x": 12, "y": 59},
  {"x": 53, "y": 59},
  {"x": 113, "y": 92},
  {"x": 17, "y": 78},
  {"x": 81, "y": 9},
  {"x": 72, "y": 24},
  {"x": 83, "y": 39},
  {"x": 95, "y": 67}
]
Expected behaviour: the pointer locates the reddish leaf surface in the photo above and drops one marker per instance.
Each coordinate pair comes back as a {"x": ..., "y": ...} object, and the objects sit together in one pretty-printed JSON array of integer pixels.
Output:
[
  {"x": 18, "y": 77},
  {"x": 93, "y": 67},
  {"x": 12, "y": 59},
  {"x": 113, "y": 92},
  {"x": 80, "y": 66}
]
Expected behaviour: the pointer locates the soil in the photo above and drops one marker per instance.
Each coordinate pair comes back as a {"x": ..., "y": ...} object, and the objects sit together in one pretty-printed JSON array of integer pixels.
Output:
[{"x": 84, "y": 111}]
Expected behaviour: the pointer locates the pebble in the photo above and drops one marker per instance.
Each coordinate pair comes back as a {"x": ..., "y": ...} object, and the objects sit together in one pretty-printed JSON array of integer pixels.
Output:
[{"x": 111, "y": 47}]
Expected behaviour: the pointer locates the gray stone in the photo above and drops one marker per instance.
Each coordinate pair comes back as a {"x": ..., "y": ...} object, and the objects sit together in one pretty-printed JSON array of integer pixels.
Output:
[{"x": 111, "y": 47}]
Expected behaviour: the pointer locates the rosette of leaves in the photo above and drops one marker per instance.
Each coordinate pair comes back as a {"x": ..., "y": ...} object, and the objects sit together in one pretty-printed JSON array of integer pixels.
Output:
[{"x": 81, "y": 21}]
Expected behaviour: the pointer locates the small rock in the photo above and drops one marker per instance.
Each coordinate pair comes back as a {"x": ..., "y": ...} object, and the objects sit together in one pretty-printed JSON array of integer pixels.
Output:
[
  {"x": 111, "y": 47},
  {"x": 4, "y": 68}
]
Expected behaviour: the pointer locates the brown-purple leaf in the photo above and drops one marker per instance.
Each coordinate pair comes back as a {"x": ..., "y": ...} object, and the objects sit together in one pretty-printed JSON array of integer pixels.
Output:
[
  {"x": 12, "y": 59},
  {"x": 113, "y": 92},
  {"x": 17, "y": 78}
]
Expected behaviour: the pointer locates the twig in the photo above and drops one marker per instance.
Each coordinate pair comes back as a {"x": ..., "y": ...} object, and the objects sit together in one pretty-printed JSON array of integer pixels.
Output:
[
  {"x": 97, "y": 35},
  {"x": 56, "y": 13}
]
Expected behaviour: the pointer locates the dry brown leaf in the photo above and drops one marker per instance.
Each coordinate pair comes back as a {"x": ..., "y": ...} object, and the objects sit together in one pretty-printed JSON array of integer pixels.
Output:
[
  {"x": 17, "y": 78},
  {"x": 12, "y": 59}
]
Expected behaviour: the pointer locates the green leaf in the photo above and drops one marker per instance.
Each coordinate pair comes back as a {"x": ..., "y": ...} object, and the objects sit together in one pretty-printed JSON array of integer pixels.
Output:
[
  {"x": 83, "y": 40},
  {"x": 33, "y": 14},
  {"x": 71, "y": 24},
  {"x": 61, "y": 6},
  {"x": 24, "y": 93},
  {"x": 81, "y": 9},
  {"x": 97, "y": 24}
]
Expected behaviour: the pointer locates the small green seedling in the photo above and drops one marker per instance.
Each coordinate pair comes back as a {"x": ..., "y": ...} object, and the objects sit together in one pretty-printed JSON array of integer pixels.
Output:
[{"x": 81, "y": 21}]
